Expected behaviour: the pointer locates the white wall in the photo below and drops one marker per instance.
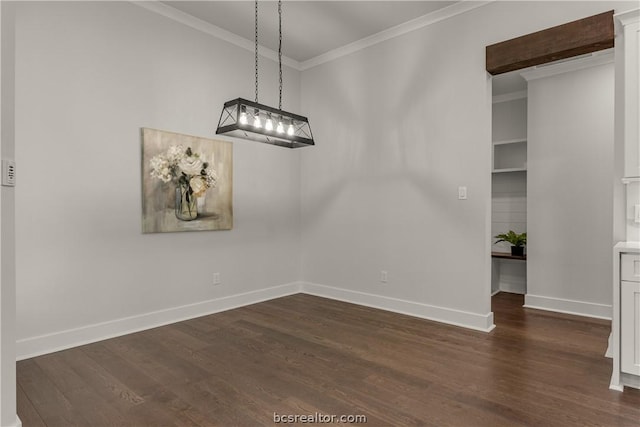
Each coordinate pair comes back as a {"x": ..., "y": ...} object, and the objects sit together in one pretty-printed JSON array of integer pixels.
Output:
[
  {"x": 378, "y": 191},
  {"x": 570, "y": 196},
  {"x": 89, "y": 75},
  {"x": 8, "y": 417},
  {"x": 401, "y": 125}
]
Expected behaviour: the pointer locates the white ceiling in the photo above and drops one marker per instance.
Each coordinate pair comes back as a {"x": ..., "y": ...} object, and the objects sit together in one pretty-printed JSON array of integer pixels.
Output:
[{"x": 310, "y": 28}]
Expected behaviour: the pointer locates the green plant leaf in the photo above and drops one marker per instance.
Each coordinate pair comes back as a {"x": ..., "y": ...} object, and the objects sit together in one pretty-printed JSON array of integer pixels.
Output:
[{"x": 512, "y": 237}]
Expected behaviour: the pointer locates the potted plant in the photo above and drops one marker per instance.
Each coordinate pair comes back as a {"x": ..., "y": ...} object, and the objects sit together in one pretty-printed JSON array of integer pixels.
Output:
[{"x": 517, "y": 240}]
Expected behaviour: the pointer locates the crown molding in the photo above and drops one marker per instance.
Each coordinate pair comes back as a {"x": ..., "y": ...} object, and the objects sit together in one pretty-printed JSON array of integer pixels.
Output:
[
  {"x": 566, "y": 66},
  {"x": 213, "y": 30},
  {"x": 406, "y": 27},
  {"x": 511, "y": 96},
  {"x": 628, "y": 17},
  {"x": 398, "y": 30}
]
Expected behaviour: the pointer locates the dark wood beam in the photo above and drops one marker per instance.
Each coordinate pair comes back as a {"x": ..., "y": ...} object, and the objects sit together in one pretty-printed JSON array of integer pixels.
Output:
[{"x": 564, "y": 41}]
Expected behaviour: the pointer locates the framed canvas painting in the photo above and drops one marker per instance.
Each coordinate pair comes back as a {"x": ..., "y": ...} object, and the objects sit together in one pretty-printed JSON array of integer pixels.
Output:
[{"x": 186, "y": 183}]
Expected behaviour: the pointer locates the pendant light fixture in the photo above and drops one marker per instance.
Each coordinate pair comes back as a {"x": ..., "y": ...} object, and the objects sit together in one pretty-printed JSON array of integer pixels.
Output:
[{"x": 246, "y": 119}]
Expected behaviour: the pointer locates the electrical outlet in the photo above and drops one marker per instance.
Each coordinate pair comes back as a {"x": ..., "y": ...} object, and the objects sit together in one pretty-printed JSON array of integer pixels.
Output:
[
  {"x": 636, "y": 213},
  {"x": 216, "y": 279},
  {"x": 384, "y": 277},
  {"x": 462, "y": 193},
  {"x": 8, "y": 173}
]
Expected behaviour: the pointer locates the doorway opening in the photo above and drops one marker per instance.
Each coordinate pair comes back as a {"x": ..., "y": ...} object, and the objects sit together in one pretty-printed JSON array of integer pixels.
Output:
[{"x": 508, "y": 183}]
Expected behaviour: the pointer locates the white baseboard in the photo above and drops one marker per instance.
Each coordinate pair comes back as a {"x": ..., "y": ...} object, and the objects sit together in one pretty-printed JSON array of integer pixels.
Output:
[
  {"x": 62, "y": 340},
  {"x": 479, "y": 322},
  {"x": 43, "y": 344},
  {"x": 609, "y": 352},
  {"x": 17, "y": 423},
  {"x": 567, "y": 306},
  {"x": 616, "y": 387},
  {"x": 513, "y": 287}
]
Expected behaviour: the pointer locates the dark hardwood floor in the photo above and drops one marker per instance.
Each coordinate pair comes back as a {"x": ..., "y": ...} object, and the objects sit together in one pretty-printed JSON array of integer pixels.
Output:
[{"x": 303, "y": 354}]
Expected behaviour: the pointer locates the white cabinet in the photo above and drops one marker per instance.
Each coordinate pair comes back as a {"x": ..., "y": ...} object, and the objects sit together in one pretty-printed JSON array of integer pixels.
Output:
[
  {"x": 630, "y": 267},
  {"x": 625, "y": 326},
  {"x": 630, "y": 313},
  {"x": 630, "y": 327},
  {"x": 627, "y": 50}
]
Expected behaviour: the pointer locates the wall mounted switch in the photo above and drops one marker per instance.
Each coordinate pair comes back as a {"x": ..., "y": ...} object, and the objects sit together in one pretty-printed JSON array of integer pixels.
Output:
[
  {"x": 216, "y": 279},
  {"x": 636, "y": 213},
  {"x": 462, "y": 193},
  {"x": 384, "y": 278},
  {"x": 8, "y": 173}
]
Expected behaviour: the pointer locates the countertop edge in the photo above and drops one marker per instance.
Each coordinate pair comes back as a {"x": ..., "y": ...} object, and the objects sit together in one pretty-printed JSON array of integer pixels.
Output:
[{"x": 627, "y": 247}]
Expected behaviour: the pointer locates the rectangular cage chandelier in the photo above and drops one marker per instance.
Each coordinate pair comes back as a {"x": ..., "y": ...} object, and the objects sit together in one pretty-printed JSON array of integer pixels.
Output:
[
  {"x": 249, "y": 120},
  {"x": 245, "y": 119}
]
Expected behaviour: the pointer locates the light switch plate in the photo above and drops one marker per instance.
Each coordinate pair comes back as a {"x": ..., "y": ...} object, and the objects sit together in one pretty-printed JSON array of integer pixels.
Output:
[
  {"x": 462, "y": 193},
  {"x": 636, "y": 213},
  {"x": 8, "y": 173}
]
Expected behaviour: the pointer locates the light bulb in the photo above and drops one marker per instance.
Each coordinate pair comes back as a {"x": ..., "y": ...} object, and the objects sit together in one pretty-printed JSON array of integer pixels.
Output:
[
  {"x": 290, "y": 129},
  {"x": 243, "y": 115},
  {"x": 257, "y": 123},
  {"x": 280, "y": 127},
  {"x": 269, "y": 123}
]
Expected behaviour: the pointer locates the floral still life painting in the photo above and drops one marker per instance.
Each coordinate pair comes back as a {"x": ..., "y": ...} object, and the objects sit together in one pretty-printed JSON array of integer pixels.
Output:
[{"x": 186, "y": 183}]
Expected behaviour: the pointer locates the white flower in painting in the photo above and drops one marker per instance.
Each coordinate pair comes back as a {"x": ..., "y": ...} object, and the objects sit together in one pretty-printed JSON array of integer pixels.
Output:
[
  {"x": 175, "y": 153},
  {"x": 199, "y": 185},
  {"x": 212, "y": 178},
  {"x": 190, "y": 165},
  {"x": 184, "y": 166},
  {"x": 160, "y": 168}
]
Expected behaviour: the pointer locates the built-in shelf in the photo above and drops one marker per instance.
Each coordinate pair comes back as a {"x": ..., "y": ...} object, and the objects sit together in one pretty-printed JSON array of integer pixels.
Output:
[
  {"x": 507, "y": 255},
  {"x": 510, "y": 155},
  {"x": 510, "y": 141},
  {"x": 508, "y": 170},
  {"x": 508, "y": 189}
]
